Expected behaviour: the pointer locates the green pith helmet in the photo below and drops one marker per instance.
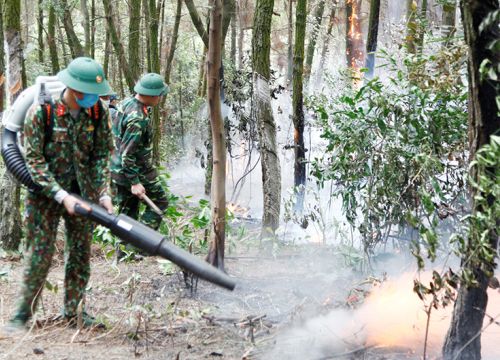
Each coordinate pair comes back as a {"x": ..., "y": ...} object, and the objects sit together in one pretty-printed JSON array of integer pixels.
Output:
[
  {"x": 85, "y": 75},
  {"x": 152, "y": 85}
]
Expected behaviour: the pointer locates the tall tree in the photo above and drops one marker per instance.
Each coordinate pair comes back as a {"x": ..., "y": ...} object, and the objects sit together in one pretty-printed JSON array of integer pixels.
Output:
[
  {"x": 10, "y": 229},
  {"x": 173, "y": 43},
  {"x": 290, "y": 41},
  {"x": 86, "y": 26},
  {"x": 371, "y": 42},
  {"x": 328, "y": 34},
  {"x": 463, "y": 340},
  {"x": 197, "y": 22},
  {"x": 154, "y": 17},
  {"x": 448, "y": 19},
  {"x": 2, "y": 61},
  {"x": 40, "y": 31},
  {"x": 74, "y": 43},
  {"x": 134, "y": 11},
  {"x": 51, "y": 40},
  {"x": 92, "y": 28},
  {"x": 218, "y": 194},
  {"x": 411, "y": 25},
  {"x": 311, "y": 47},
  {"x": 271, "y": 172},
  {"x": 299, "y": 178},
  {"x": 354, "y": 38},
  {"x": 117, "y": 45}
]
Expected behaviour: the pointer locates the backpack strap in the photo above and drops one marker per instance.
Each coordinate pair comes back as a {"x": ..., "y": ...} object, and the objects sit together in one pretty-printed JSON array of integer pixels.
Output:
[{"x": 48, "y": 121}]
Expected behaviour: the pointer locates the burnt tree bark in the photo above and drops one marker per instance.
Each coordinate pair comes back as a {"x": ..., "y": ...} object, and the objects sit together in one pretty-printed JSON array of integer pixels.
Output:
[
  {"x": 299, "y": 178},
  {"x": 463, "y": 340},
  {"x": 354, "y": 38},
  {"x": 271, "y": 173},
  {"x": 371, "y": 42},
  {"x": 218, "y": 194},
  {"x": 10, "y": 226}
]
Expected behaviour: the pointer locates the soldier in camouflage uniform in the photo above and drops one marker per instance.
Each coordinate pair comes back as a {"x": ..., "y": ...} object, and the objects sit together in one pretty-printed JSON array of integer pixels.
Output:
[
  {"x": 132, "y": 171},
  {"x": 74, "y": 160}
]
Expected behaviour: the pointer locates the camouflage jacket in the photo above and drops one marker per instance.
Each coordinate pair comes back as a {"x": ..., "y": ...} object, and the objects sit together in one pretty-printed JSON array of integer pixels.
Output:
[
  {"x": 73, "y": 152},
  {"x": 132, "y": 161}
]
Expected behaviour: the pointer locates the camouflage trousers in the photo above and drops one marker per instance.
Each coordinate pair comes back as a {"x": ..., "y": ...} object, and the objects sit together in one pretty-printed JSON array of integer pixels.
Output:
[
  {"x": 129, "y": 204},
  {"x": 42, "y": 218}
]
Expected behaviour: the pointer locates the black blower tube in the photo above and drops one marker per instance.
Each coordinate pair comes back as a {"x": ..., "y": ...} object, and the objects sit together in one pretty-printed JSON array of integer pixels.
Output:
[
  {"x": 154, "y": 243},
  {"x": 14, "y": 160}
]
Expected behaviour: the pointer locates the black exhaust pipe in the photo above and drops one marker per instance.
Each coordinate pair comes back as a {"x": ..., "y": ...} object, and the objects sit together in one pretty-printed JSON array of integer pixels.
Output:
[
  {"x": 154, "y": 243},
  {"x": 14, "y": 160}
]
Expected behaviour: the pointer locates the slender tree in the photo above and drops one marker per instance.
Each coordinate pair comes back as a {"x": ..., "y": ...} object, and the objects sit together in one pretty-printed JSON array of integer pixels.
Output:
[
  {"x": 74, "y": 43},
  {"x": 463, "y": 340},
  {"x": 371, "y": 42},
  {"x": 290, "y": 41},
  {"x": 40, "y": 31},
  {"x": 51, "y": 40},
  {"x": 328, "y": 35},
  {"x": 197, "y": 22},
  {"x": 218, "y": 194},
  {"x": 10, "y": 228},
  {"x": 134, "y": 10},
  {"x": 311, "y": 47},
  {"x": 241, "y": 34},
  {"x": 2, "y": 62},
  {"x": 299, "y": 179},
  {"x": 448, "y": 19},
  {"x": 117, "y": 45},
  {"x": 92, "y": 28},
  {"x": 154, "y": 54},
  {"x": 271, "y": 173},
  {"x": 234, "y": 20},
  {"x": 411, "y": 25},
  {"x": 86, "y": 26},
  {"x": 173, "y": 44}
]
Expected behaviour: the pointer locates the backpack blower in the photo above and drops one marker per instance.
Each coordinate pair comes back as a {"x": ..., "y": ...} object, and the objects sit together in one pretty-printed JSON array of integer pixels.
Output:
[{"x": 123, "y": 226}]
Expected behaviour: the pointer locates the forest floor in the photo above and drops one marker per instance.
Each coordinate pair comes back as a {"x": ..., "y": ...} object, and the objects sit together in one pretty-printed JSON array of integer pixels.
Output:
[{"x": 151, "y": 315}]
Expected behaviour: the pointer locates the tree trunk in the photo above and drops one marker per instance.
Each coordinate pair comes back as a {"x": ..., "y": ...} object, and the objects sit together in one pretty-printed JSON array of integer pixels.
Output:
[
  {"x": 92, "y": 29},
  {"x": 73, "y": 41},
  {"x": 371, "y": 42},
  {"x": 354, "y": 39},
  {"x": 234, "y": 19},
  {"x": 155, "y": 67},
  {"x": 51, "y": 40},
  {"x": 318, "y": 18},
  {"x": 40, "y": 31},
  {"x": 448, "y": 22},
  {"x": 117, "y": 45},
  {"x": 271, "y": 173},
  {"x": 241, "y": 36},
  {"x": 227, "y": 15},
  {"x": 10, "y": 225},
  {"x": 107, "y": 52},
  {"x": 326, "y": 43},
  {"x": 173, "y": 44},
  {"x": 62, "y": 42},
  {"x": 299, "y": 179},
  {"x": 197, "y": 22},
  {"x": 470, "y": 306},
  {"x": 2, "y": 64},
  {"x": 290, "y": 41},
  {"x": 217, "y": 242},
  {"x": 411, "y": 26},
  {"x": 422, "y": 24},
  {"x": 86, "y": 26}
]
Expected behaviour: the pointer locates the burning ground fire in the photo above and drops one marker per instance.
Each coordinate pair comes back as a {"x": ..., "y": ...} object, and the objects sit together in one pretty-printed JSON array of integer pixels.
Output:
[{"x": 391, "y": 318}]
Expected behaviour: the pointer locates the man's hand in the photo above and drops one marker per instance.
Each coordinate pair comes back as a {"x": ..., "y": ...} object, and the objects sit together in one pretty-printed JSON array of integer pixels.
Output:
[
  {"x": 70, "y": 201},
  {"x": 106, "y": 203},
  {"x": 138, "y": 190}
]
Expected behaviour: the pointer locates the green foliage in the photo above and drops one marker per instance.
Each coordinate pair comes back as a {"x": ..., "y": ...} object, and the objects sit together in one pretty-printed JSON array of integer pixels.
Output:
[{"x": 396, "y": 148}]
